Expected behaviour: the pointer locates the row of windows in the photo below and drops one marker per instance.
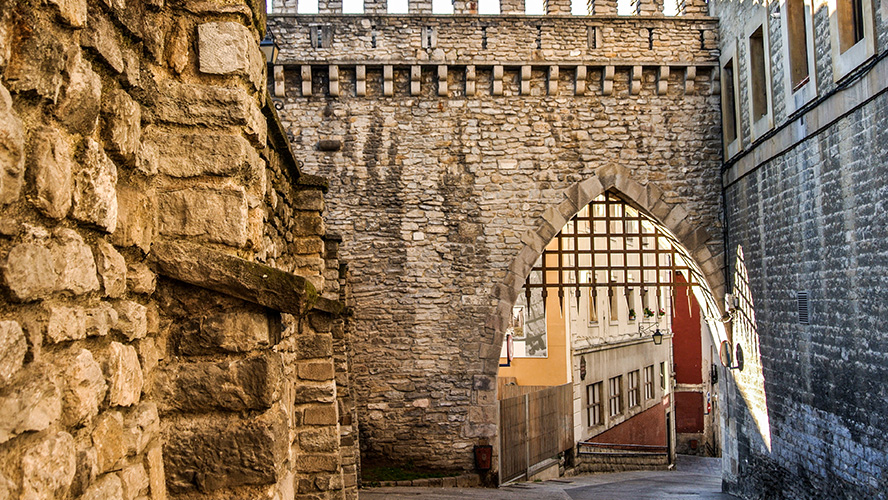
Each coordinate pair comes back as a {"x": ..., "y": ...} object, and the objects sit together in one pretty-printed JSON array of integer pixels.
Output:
[
  {"x": 491, "y": 7},
  {"x": 615, "y": 394},
  {"x": 851, "y": 40}
]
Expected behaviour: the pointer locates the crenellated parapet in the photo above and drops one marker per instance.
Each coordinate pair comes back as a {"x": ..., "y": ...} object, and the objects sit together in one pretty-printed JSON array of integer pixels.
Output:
[{"x": 473, "y": 55}]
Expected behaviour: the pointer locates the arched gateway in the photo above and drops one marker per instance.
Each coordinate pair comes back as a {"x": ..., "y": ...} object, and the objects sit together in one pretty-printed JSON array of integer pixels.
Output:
[{"x": 456, "y": 147}]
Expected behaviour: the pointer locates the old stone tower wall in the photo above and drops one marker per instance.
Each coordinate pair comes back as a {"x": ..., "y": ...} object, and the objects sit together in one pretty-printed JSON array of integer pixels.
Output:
[
  {"x": 805, "y": 215},
  {"x": 171, "y": 308},
  {"x": 455, "y": 147}
]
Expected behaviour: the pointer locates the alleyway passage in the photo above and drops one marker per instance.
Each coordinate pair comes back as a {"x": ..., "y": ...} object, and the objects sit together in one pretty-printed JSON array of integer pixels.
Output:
[{"x": 695, "y": 478}]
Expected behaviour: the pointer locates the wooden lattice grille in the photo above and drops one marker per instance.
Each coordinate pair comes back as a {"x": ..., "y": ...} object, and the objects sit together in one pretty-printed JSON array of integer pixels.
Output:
[{"x": 611, "y": 245}]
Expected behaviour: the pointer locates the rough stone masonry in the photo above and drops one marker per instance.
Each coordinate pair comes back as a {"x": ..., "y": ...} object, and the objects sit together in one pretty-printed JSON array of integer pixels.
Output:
[
  {"x": 171, "y": 315},
  {"x": 456, "y": 147}
]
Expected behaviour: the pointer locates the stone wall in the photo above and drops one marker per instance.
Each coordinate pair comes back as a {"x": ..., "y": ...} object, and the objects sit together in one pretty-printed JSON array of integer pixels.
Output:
[
  {"x": 170, "y": 296},
  {"x": 804, "y": 213},
  {"x": 449, "y": 171}
]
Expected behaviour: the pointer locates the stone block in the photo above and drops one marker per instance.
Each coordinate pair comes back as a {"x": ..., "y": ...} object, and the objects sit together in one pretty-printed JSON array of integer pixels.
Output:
[
  {"x": 50, "y": 172},
  {"x": 33, "y": 403},
  {"x": 189, "y": 104},
  {"x": 315, "y": 462},
  {"x": 60, "y": 323},
  {"x": 95, "y": 188},
  {"x": 136, "y": 218},
  {"x": 216, "y": 215},
  {"x": 124, "y": 373},
  {"x": 107, "y": 487},
  {"x": 13, "y": 347},
  {"x": 73, "y": 263},
  {"x": 156, "y": 475},
  {"x": 191, "y": 155},
  {"x": 102, "y": 36},
  {"x": 48, "y": 467},
  {"x": 72, "y": 12},
  {"x": 12, "y": 150},
  {"x": 248, "y": 384},
  {"x": 226, "y": 48},
  {"x": 112, "y": 269},
  {"x": 29, "y": 272},
  {"x": 140, "y": 278},
  {"x": 320, "y": 415},
  {"x": 319, "y": 440},
  {"x": 134, "y": 479},
  {"x": 212, "y": 454},
  {"x": 39, "y": 61},
  {"x": 122, "y": 125},
  {"x": 316, "y": 371},
  {"x": 84, "y": 388},
  {"x": 323, "y": 393},
  {"x": 80, "y": 98},
  {"x": 132, "y": 319},
  {"x": 109, "y": 441},
  {"x": 140, "y": 427},
  {"x": 233, "y": 331}
]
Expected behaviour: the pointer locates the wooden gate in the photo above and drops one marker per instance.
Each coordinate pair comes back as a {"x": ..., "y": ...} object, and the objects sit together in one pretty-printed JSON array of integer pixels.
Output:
[{"x": 534, "y": 427}]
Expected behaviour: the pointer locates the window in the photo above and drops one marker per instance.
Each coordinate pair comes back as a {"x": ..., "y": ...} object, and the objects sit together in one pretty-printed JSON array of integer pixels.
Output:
[
  {"x": 798, "y": 30},
  {"x": 593, "y": 307},
  {"x": 593, "y": 404},
  {"x": 758, "y": 75},
  {"x": 630, "y": 302},
  {"x": 730, "y": 103},
  {"x": 851, "y": 34},
  {"x": 615, "y": 396},
  {"x": 649, "y": 382},
  {"x": 663, "y": 376},
  {"x": 633, "y": 389},
  {"x": 612, "y": 305}
]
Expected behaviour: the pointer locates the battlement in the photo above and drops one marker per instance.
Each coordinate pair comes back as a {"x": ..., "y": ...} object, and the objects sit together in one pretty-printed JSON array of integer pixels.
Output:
[
  {"x": 492, "y": 40},
  {"x": 489, "y": 55}
]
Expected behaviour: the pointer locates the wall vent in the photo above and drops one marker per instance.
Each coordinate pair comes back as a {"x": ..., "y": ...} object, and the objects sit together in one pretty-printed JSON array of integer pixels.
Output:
[{"x": 802, "y": 304}]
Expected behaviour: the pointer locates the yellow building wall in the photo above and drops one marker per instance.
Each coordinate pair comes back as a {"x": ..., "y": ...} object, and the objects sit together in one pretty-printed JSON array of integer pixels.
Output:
[{"x": 553, "y": 369}]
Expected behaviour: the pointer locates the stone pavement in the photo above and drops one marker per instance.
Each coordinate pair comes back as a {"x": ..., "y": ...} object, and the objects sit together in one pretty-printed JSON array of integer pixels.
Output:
[{"x": 694, "y": 478}]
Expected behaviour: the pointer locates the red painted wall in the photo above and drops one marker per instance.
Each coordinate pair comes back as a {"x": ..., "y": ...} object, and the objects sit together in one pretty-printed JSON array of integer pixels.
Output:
[
  {"x": 648, "y": 427},
  {"x": 686, "y": 342},
  {"x": 688, "y": 412}
]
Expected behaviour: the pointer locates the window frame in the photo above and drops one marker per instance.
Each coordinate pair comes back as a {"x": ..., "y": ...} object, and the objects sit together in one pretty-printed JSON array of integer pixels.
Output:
[
  {"x": 633, "y": 392},
  {"x": 595, "y": 405},
  {"x": 759, "y": 127},
  {"x": 649, "y": 392},
  {"x": 845, "y": 62},
  {"x": 730, "y": 55},
  {"x": 615, "y": 396},
  {"x": 795, "y": 98}
]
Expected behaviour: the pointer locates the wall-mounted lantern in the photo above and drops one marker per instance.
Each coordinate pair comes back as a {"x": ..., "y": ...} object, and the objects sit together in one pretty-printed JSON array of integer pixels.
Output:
[
  {"x": 657, "y": 336},
  {"x": 269, "y": 47}
]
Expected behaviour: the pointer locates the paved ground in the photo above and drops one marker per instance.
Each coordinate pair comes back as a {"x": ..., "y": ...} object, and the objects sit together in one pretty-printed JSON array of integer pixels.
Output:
[{"x": 694, "y": 478}]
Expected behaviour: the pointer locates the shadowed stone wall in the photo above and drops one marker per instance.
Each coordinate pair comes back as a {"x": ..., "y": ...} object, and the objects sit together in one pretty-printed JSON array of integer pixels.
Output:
[
  {"x": 171, "y": 323},
  {"x": 805, "y": 213},
  {"x": 452, "y": 161}
]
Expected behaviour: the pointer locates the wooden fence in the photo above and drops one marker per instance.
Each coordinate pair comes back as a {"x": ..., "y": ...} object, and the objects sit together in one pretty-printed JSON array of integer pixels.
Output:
[{"x": 534, "y": 426}]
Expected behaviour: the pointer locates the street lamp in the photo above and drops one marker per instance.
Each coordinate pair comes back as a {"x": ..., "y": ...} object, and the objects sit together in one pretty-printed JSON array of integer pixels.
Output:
[
  {"x": 270, "y": 48},
  {"x": 658, "y": 337}
]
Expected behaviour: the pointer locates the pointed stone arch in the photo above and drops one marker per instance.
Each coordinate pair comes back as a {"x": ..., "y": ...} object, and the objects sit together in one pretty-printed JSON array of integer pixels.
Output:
[{"x": 649, "y": 198}]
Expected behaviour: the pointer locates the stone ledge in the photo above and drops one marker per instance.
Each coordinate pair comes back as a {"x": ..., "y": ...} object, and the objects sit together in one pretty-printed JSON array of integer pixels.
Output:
[
  {"x": 463, "y": 481},
  {"x": 231, "y": 275}
]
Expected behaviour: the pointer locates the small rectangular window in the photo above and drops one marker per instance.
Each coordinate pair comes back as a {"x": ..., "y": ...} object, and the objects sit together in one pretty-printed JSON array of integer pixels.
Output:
[
  {"x": 615, "y": 396},
  {"x": 593, "y": 404},
  {"x": 802, "y": 306},
  {"x": 593, "y": 307},
  {"x": 663, "y": 376},
  {"x": 797, "y": 34},
  {"x": 649, "y": 382},
  {"x": 633, "y": 391},
  {"x": 758, "y": 75},
  {"x": 849, "y": 15},
  {"x": 729, "y": 100},
  {"x": 613, "y": 305}
]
